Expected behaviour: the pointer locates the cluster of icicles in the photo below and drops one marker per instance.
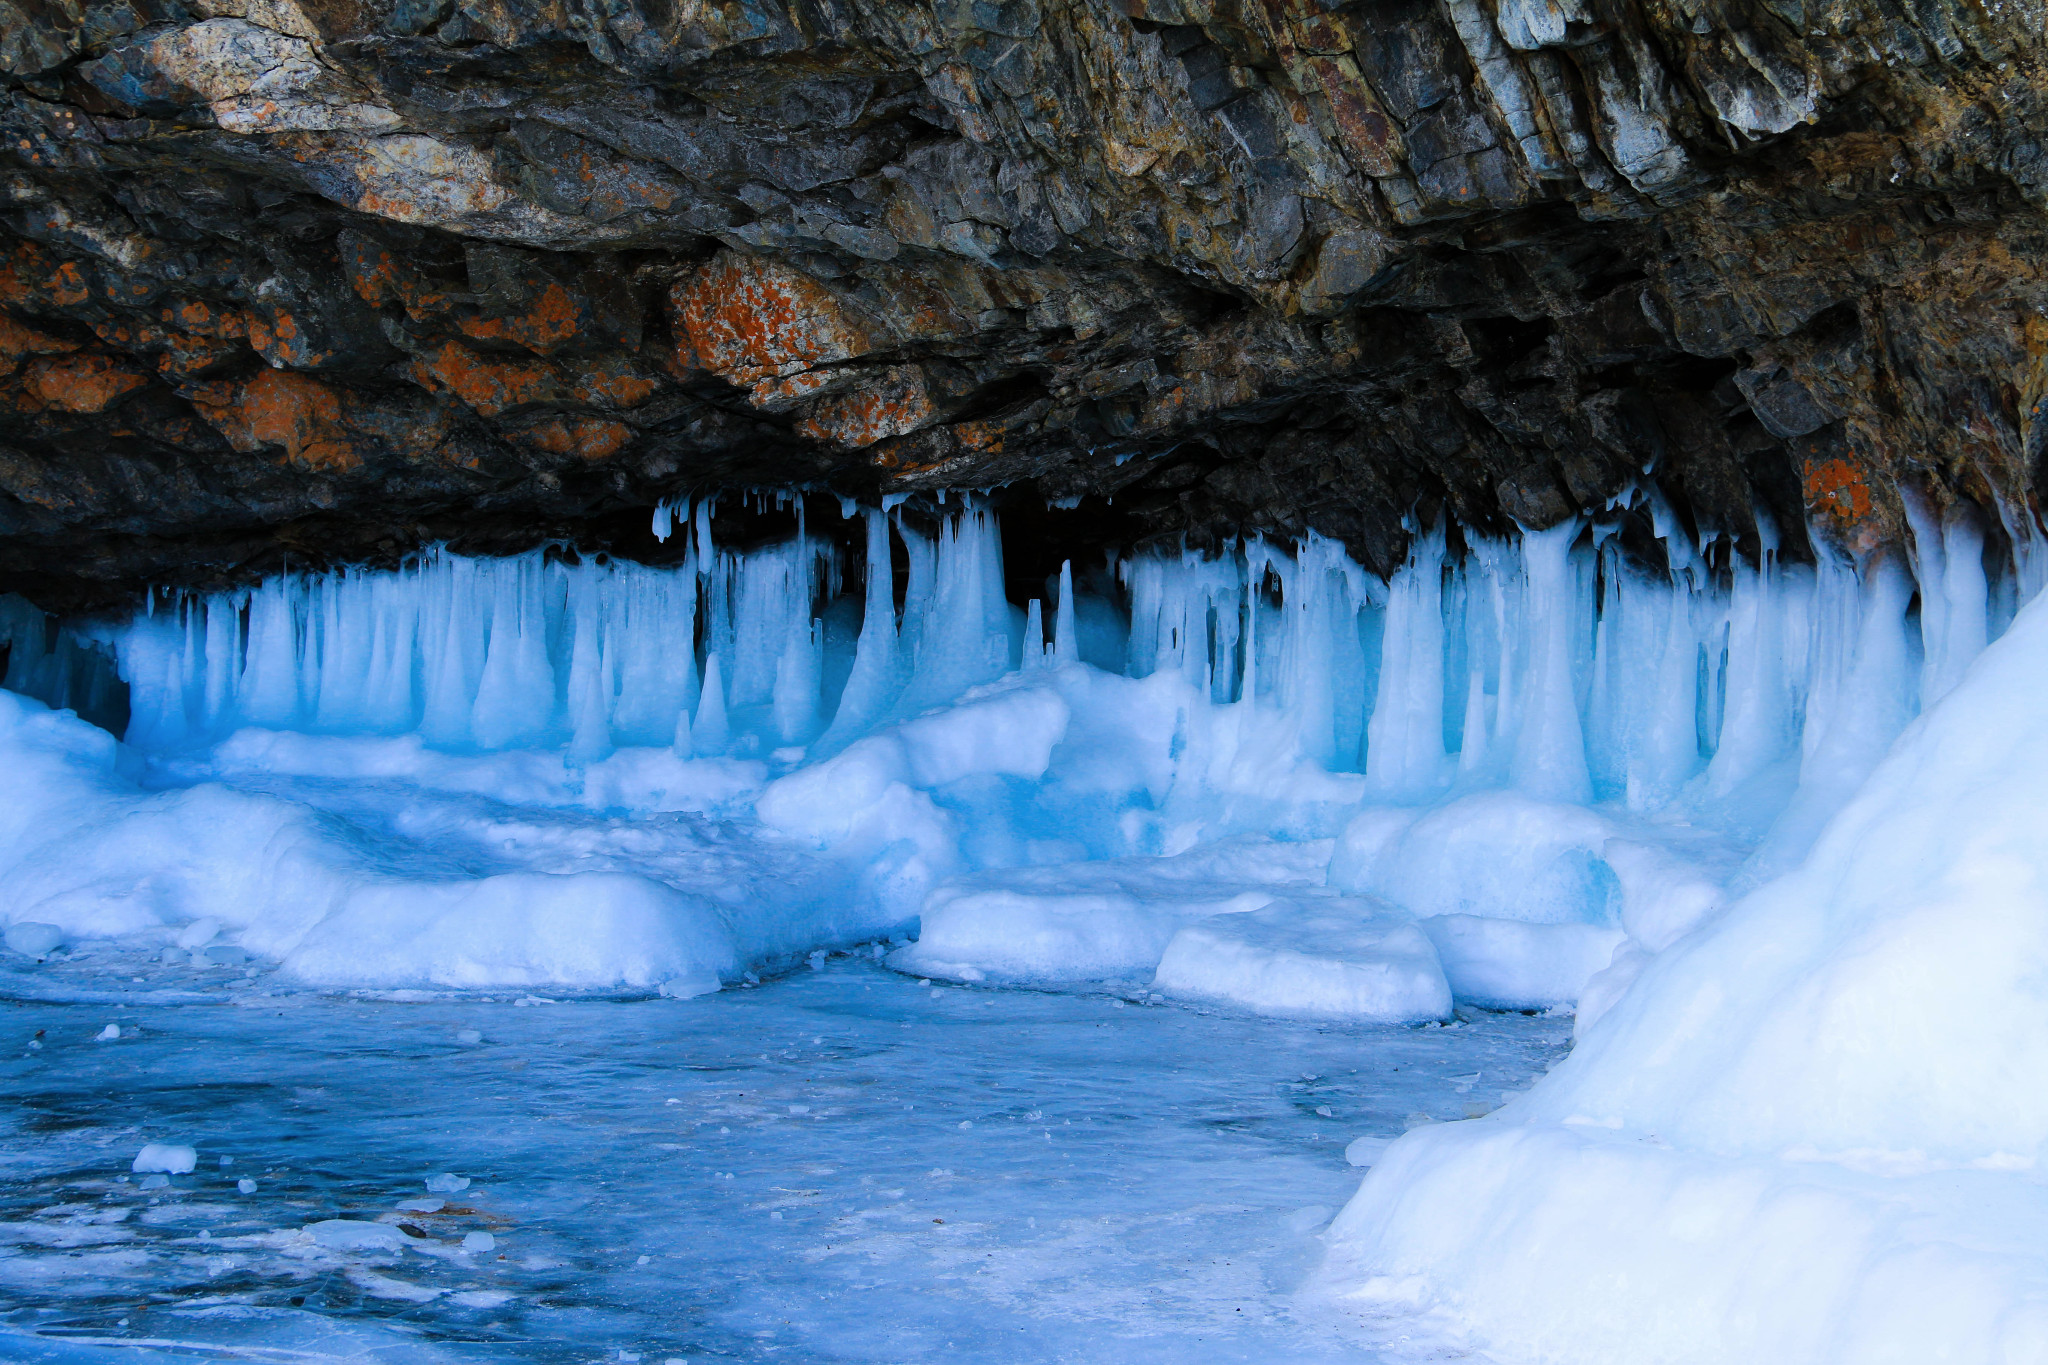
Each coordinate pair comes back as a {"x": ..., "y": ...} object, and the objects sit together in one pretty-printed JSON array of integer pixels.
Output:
[{"x": 1547, "y": 662}]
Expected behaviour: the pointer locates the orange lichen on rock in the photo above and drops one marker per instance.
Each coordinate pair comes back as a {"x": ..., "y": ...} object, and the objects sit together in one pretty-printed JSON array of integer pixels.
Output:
[
  {"x": 1836, "y": 487},
  {"x": 279, "y": 340},
  {"x": 488, "y": 384},
  {"x": 894, "y": 402},
  {"x": 610, "y": 381},
  {"x": 753, "y": 321},
  {"x": 295, "y": 411},
  {"x": 545, "y": 328},
  {"x": 18, "y": 340},
  {"x": 593, "y": 438},
  {"x": 78, "y": 383}
]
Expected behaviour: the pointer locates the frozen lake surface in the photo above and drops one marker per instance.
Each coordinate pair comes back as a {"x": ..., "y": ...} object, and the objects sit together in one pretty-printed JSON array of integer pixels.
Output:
[{"x": 836, "y": 1165}]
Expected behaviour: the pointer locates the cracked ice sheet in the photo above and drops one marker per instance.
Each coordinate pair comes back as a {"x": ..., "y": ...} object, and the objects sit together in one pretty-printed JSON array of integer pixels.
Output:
[{"x": 999, "y": 1175}]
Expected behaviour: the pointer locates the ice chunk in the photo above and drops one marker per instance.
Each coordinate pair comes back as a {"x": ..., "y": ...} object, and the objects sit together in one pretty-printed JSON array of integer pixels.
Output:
[
  {"x": 172, "y": 1158},
  {"x": 479, "y": 1241},
  {"x": 199, "y": 933},
  {"x": 1325, "y": 958},
  {"x": 1506, "y": 964},
  {"x": 1364, "y": 1151},
  {"x": 469, "y": 1037},
  {"x": 245, "y": 1185},
  {"x": 447, "y": 1183},
  {"x": 32, "y": 939},
  {"x": 423, "y": 1205},
  {"x": 690, "y": 986},
  {"x": 1306, "y": 1220},
  {"x": 348, "y": 1234},
  {"x": 107, "y": 1034}
]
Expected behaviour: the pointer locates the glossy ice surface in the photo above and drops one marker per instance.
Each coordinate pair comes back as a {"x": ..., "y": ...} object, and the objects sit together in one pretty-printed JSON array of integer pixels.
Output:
[{"x": 837, "y": 1165}]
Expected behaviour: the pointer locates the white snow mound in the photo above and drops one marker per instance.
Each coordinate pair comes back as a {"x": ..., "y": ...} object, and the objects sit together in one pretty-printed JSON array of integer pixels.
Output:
[{"x": 1811, "y": 1130}]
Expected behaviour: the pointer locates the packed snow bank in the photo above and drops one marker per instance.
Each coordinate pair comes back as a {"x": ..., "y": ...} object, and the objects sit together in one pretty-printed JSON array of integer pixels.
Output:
[
  {"x": 1316, "y": 957},
  {"x": 1810, "y": 1131},
  {"x": 87, "y": 851}
]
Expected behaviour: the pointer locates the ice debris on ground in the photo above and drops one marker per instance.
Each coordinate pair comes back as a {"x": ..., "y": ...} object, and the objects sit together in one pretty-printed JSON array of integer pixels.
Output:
[
  {"x": 171, "y": 1158},
  {"x": 447, "y": 1183},
  {"x": 1807, "y": 1131},
  {"x": 1551, "y": 757}
]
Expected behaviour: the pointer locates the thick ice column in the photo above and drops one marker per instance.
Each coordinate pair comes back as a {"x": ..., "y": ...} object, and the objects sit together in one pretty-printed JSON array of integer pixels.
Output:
[
  {"x": 394, "y": 628},
  {"x": 515, "y": 697},
  {"x": 651, "y": 634},
  {"x": 1066, "y": 640},
  {"x": 1954, "y": 594},
  {"x": 709, "y": 733},
  {"x": 452, "y": 634},
  {"x": 797, "y": 675},
  {"x": 1550, "y": 749},
  {"x": 1405, "y": 736},
  {"x": 270, "y": 679},
  {"x": 1757, "y": 724},
  {"x": 590, "y": 681},
  {"x": 877, "y": 676},
  {"x": 1036, "y": 655}
]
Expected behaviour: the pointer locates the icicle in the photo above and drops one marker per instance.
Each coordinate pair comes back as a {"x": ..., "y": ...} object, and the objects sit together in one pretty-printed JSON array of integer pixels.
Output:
[
  {"x": 1036, "y": 655},
  {"x": 664, "y": 521},
  {"x": 1550, "y": 750},
  {"x": 709, "y": 734},
  {"x": 1066, "y": 640},
  {"x": 1405, "y": 737}
]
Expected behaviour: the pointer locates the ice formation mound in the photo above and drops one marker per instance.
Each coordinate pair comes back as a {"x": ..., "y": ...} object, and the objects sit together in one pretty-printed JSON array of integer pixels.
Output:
[
  {"x": 1548, "y": 755},
  {"x": 84, "y": 847},
  {"x": 1810, "y": 1132}
]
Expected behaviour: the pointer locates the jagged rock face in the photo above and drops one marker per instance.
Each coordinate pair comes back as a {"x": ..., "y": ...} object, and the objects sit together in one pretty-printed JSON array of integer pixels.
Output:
[{"x": 328, "y": 277}]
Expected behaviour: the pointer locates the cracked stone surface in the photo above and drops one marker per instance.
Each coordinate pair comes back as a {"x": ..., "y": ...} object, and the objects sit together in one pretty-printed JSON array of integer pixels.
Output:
[{"x": 324, "y": 279}]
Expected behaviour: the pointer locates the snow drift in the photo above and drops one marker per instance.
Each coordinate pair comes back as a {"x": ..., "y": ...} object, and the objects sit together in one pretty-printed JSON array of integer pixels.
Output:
[{"x": 1811, "y": 1131}]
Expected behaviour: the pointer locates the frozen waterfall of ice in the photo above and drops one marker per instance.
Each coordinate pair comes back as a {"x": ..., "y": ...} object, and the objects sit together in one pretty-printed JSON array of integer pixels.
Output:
[{"x": 1269, "y": 777}]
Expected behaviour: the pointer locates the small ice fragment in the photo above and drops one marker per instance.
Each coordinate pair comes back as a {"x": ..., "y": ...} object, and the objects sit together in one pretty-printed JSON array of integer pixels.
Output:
[
  {"x": 479, "y": 1241},
  {"x": 1306, "y": 1220},
  {"x": 627, "y": 1357},
  {"x": 799, "y": 1109},
  {"x": 246, "y": 1185},
  {"x": 1366, "y": 1150},
  {"x": 174, "y": 956},
  {"x": 155, "y": 1182},
  {"x": 164, "y": 1156},
  {"x": 31, "y": 939},
  {"x": 643, "y": 1260},
  {"x": 226, "y": 1162},
  {"x": 817, "y": 961},
  {"x": 777, "y": 1215},
  {"x": 481, "y": 1298},
  {"x": 107, "y": 1034},
  {"x": 445, "y": 1183},
  {"x": 198, "y": 933},
  {"x": 423, "y": 1205},
  {"x": 349, "y": 1234},
  {"x": 469, "y": 1035},
  {"x": 1324, "y": 1110},
  {"x": 224, "y": 955},
  {"x": 966, "y": 1124},
  {"x": 924, "y": 981},
  {"x": 702, "y": 981}
]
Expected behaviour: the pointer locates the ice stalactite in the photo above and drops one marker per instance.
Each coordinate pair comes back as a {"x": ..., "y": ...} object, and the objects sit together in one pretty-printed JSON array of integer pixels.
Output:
[{"x": 1549, "y": 663}]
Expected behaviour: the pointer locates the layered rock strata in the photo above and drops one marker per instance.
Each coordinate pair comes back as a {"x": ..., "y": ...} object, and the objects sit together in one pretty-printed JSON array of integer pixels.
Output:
[{"x": 326, "y": 278}]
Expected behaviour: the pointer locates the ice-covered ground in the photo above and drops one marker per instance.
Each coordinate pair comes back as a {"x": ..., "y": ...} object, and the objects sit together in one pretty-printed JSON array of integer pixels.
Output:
[{"x": 840, "y": 1164}]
